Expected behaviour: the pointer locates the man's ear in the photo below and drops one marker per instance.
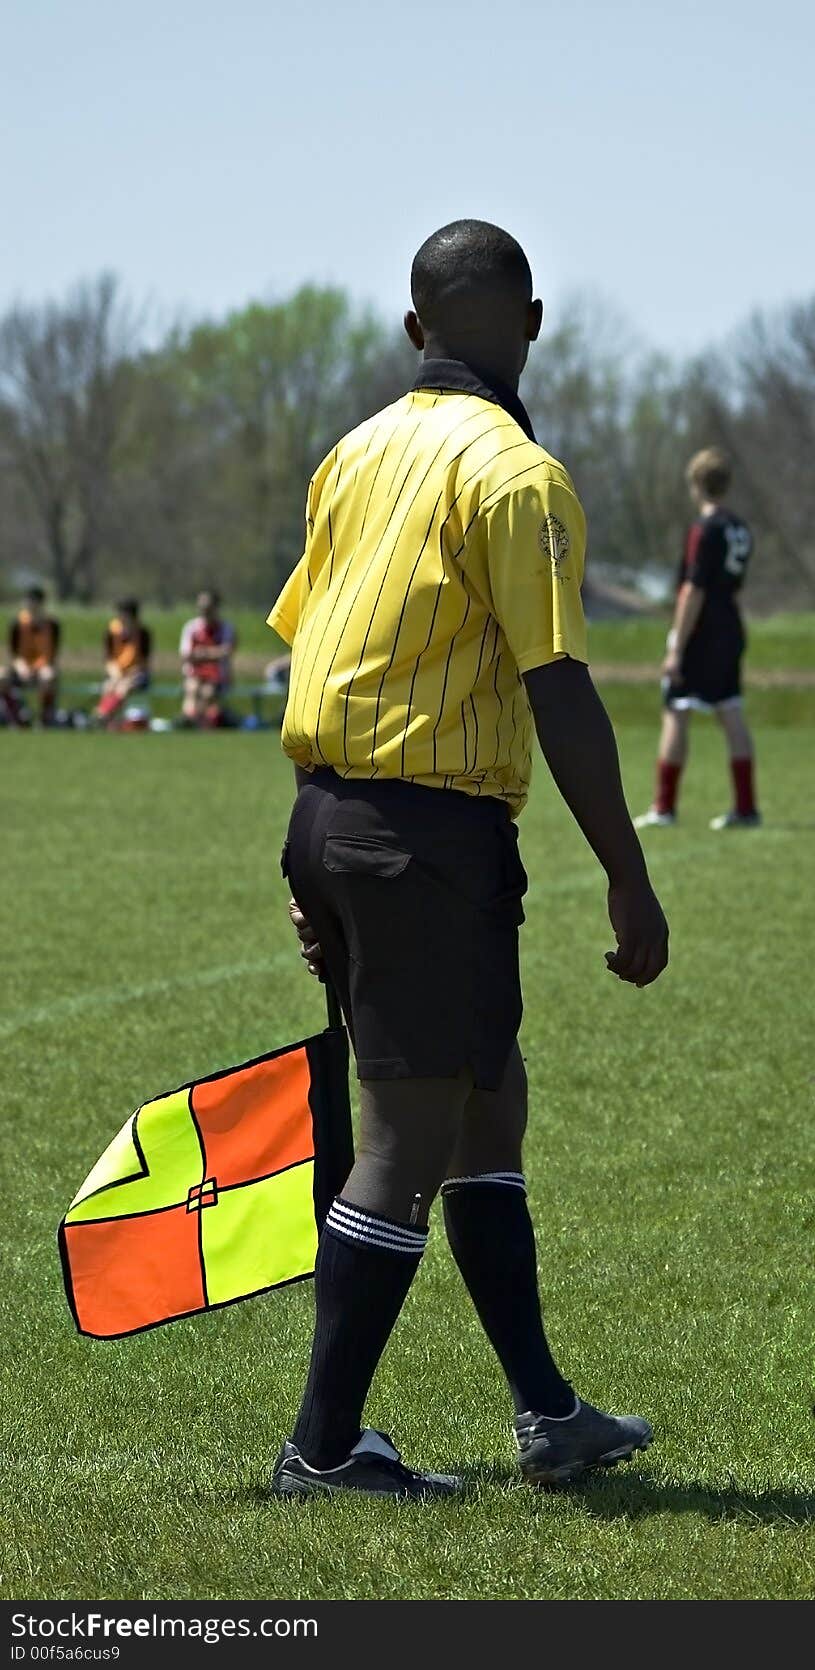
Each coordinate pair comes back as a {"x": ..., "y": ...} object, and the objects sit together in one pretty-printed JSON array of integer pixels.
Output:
[
  {"x": 414, "y": 329},
  {"x": 534, "y": 320}
]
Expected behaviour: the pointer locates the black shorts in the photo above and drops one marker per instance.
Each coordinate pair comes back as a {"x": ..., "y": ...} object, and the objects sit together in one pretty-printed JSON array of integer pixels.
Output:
[
  {"x": 710, "y": 677},
  {"x": 414, "y": 895}
]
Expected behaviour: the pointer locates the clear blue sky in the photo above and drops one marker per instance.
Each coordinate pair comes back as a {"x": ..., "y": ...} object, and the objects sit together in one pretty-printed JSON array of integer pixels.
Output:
[{"x": 208, "y": 153}]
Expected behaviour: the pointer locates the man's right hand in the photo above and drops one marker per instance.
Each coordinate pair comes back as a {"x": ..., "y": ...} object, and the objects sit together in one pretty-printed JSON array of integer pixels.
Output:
[{"x": 640, "y": 930}]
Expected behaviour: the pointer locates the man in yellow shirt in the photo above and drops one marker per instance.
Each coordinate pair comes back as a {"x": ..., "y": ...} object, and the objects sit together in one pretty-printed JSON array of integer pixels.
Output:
[{"x": 435, "y": 623}]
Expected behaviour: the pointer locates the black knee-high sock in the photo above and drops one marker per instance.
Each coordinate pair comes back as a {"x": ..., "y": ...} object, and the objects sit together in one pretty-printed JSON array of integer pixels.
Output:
[
  {"x": 493, "y": 1243},
  {"x": 365, "y": 1265}
]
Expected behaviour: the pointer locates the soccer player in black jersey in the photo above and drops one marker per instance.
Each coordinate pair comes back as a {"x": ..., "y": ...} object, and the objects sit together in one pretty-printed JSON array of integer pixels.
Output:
[{"x": 702, "y": 668}]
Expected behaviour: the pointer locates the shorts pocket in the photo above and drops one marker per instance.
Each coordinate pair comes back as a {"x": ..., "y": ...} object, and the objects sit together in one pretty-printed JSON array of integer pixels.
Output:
[
  {"x": 378, "y": 894},
  {"x": 359, "y": 855}
]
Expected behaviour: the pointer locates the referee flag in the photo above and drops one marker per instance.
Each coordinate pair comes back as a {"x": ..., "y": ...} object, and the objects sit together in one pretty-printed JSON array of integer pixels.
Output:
[{"x": 213, "y": 1192}]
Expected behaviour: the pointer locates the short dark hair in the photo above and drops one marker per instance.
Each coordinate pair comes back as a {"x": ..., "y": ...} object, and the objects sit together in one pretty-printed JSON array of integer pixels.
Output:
[
  {"x": 35, "y": 594},
  {"x": 467, "y": 261},
  {"x": 128, "y": 606}
]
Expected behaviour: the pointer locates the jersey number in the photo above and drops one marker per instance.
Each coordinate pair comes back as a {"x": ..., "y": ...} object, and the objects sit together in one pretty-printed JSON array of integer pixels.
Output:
[{"x": 738, "y": 550}]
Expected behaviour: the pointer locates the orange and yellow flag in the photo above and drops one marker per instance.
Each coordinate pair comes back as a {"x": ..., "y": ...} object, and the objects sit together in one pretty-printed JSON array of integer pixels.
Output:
[{"x": 212, "y": 1193}]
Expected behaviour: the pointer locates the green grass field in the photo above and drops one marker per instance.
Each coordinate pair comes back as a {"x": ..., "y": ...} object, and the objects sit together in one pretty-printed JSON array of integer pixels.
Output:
[{"x": 146, "y": 941}]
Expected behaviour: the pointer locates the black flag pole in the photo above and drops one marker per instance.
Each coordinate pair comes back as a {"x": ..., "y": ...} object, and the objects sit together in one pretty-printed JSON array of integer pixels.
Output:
[
  {"x": 331, "y": 1108},
  {"x": 332, "y": 1004}
]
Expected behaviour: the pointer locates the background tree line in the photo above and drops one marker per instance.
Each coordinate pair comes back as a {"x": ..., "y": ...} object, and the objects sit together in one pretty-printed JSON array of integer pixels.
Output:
[{"x": 130, "y": 465}]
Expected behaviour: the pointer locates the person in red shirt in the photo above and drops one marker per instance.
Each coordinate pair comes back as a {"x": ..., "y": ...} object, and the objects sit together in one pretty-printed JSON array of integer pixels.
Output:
[
  {"x": 128, "y": 647},
  {"x": 702, "y": 668},
  {"x": 33, "y": 643},
  {"x": 207, "y": 646}
]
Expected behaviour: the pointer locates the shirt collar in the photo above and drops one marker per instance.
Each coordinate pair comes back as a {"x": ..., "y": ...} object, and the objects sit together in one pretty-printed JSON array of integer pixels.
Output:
[{"x": 456, "y": 377}]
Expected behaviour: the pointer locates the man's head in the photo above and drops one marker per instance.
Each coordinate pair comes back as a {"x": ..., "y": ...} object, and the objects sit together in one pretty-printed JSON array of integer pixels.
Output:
[
  {"x": 472, "y": 299},
  {"x": 208, "y": 603},
  {"x": 128, "y": 610},
  {"x": 34, "y": 601},
  {"x": 708, "y": 476}
]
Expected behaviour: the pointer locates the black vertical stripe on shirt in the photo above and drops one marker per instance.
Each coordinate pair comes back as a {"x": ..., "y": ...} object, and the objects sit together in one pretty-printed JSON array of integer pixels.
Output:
[
  {"x": 307, "y": 645},
  {"x": 479, "y": 471},
  {"x": 447, "y": 664},
  {"x": 494, "y": 494},
  {"x": 422, "y": 652},
  {"x": 514, "y": 720},
  {"x": 343, "y": 582},
  {"x": 500, "y": 700},
  {"x": 374, "y": 556},
  {"x": 401, "y": 616},
  {"x": 449, "y": 437},
  {"x": 472, "y": 698}
]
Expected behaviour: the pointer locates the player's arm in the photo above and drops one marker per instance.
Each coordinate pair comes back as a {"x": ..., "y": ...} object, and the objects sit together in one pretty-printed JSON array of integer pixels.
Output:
[
  {"x": 689, "y": 604},
  {"x": 111, "y": 668},
  {"x": 535, "y": 556},
  {"x": 699, "y": 565}
]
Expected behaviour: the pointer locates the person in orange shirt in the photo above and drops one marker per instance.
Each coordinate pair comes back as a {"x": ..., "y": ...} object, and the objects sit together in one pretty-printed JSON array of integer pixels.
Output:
[
  {"x": 33, "y": 643},
  {"x": 128, "y": 646}
]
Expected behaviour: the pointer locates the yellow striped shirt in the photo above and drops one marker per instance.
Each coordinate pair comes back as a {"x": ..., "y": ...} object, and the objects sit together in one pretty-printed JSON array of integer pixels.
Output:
[{"x": 444, "y": 556}]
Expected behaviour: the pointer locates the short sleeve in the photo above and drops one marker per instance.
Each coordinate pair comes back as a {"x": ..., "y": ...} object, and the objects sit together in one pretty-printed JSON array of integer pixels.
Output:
[
  {"x": 536, "y": 548},
  {"x": 284, "y": 617},
  {"x": 700, "y": 556}
]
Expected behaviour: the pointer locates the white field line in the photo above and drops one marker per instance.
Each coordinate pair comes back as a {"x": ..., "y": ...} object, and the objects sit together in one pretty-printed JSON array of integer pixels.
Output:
[{"x": 109, "y": 997}]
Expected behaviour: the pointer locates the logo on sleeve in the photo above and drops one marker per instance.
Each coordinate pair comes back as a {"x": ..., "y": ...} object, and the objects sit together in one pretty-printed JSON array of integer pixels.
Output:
[{"x": 553, "y": 539}]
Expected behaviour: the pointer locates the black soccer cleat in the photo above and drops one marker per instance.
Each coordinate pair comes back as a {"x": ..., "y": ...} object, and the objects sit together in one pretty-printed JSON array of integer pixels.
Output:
[
  {"x": 374, "y": 1468},
  {"x": 558, "y": 1451}
]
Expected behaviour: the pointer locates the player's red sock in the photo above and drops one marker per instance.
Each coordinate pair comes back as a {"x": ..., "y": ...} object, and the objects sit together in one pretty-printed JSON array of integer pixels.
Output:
[
  {"x": 743, "y": 786},
  {"x": 668, "y": 776}
]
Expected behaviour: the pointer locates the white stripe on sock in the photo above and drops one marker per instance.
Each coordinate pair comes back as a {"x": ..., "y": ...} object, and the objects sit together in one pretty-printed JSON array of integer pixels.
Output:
[
  {"x": 344, "y": 1234},
  {"x": 373, "y": 1232},
  {"x": 511, "y": 1179},
  {"x": 384, "y": 1226}
]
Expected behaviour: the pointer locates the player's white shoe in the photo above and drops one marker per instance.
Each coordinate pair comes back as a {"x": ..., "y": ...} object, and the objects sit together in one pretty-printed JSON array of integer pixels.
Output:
[
  {"x": 737, "y": 820},
  {"x": 652, "y": 819}
]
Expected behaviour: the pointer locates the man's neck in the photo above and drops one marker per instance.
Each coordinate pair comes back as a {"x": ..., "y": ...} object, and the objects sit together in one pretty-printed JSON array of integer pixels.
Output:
[{"x": 486, "y": 366}]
